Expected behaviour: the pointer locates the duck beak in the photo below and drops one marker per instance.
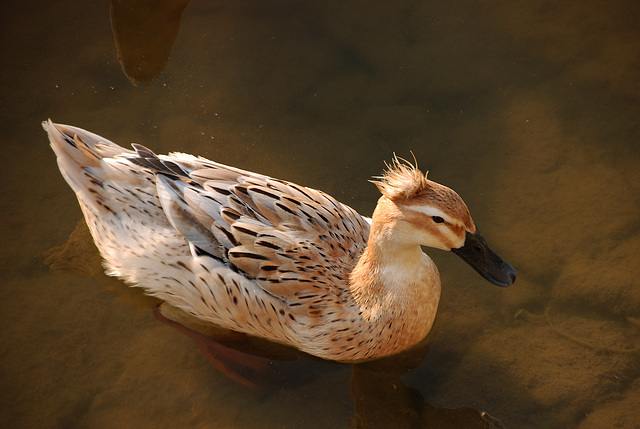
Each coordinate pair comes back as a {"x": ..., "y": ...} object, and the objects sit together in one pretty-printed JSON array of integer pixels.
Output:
[{"x": 492, "y": 267}]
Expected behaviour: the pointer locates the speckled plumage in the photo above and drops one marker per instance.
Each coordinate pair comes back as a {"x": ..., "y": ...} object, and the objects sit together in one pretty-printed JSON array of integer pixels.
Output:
[{"x": 256, "y": 254}]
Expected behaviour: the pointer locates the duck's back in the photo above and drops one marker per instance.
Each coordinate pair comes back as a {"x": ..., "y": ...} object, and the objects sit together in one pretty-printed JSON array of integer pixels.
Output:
[{"x": 242, "y": 250}]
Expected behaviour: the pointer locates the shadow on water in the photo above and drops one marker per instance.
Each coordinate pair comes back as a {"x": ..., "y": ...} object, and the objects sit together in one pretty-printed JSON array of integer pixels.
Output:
[{"x": 144, "y": 31}]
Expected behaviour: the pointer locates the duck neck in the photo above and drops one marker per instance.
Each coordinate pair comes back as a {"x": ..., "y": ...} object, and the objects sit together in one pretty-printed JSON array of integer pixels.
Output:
[{"x": 394, "y": 277}]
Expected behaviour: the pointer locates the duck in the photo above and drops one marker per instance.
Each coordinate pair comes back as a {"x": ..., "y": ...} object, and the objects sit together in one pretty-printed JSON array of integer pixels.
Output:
[{"x": 270, "y": 258}]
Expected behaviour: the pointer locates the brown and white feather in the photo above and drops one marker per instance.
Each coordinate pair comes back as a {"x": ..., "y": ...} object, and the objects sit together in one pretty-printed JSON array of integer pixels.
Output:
[{"x": 256, "y": 254}]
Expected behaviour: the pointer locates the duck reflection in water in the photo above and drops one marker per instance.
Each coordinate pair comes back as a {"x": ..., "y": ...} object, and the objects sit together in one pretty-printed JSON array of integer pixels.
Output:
[{"x": 381, "y": 399}]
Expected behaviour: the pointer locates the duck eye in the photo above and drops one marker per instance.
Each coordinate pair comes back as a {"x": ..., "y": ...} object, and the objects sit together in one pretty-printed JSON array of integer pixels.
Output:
[{"x": 437, "y": 219}]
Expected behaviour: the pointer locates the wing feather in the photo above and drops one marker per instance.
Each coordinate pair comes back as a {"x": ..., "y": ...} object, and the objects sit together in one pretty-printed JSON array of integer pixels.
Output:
[{"x": 287, "y": 238}]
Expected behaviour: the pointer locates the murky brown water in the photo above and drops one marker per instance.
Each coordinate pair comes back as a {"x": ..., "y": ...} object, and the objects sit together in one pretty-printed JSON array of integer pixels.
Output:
[{"x": 529, "y": 109}]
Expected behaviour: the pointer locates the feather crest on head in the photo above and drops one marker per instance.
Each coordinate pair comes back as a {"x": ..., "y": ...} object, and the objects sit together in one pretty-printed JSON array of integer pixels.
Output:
[{"x": 401, "y": 180}]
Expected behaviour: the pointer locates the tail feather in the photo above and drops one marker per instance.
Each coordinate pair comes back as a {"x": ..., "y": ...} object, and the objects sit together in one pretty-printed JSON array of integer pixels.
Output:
[
  {"x": 85, "y": 145},
  {"x": 84, "y": 160},
  {"x": 118, "y": 199}
]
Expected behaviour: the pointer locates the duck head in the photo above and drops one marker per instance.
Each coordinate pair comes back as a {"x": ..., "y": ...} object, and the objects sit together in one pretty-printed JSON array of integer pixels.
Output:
[{"x": 433, "y": 215}]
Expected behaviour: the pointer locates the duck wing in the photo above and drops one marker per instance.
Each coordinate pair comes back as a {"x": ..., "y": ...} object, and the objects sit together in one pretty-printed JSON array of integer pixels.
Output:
[{"x": 296, "y": 243}]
